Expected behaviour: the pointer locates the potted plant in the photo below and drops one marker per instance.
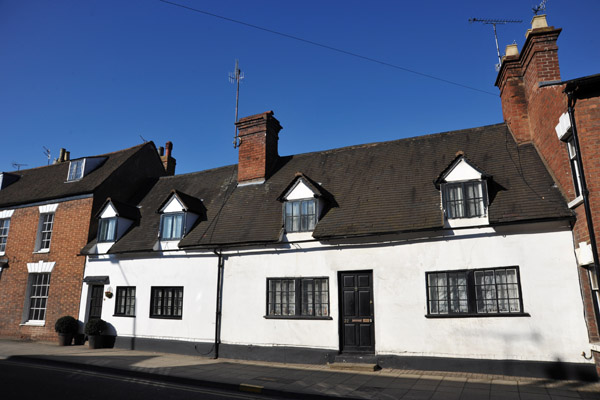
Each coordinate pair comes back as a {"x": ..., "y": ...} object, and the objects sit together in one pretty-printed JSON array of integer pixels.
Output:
[
  {"x": 67, "y": 328},
  {"x": 94, "y": 328}
]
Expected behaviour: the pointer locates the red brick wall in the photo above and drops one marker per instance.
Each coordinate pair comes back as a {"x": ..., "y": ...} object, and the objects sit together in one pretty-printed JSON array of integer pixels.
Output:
[
  {"x": 69, "y": 235},
  {"x": 258, "y": 146}
]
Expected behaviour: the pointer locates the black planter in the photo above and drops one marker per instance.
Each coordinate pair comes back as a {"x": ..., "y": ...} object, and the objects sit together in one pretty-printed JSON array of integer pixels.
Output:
[
  {"x": 108, "y": 341},
  {"x": 65, "y": 339},
  {"x": 79, "y": 339},
  {"x": 95, "y": 341}
]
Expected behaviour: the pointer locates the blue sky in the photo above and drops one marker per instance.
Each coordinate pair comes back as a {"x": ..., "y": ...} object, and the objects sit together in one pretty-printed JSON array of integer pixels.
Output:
[{"x": 96, "y": 76}]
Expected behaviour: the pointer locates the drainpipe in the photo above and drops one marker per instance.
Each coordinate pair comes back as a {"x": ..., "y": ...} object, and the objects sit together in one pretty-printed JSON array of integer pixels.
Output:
[
  {"x": 219, "y": 302},
  {"x": 584, "y": 190}
]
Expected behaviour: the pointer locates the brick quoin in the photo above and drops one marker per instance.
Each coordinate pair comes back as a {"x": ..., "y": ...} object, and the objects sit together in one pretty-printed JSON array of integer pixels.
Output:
[
  {"x": 532, "y": 112},
  {"x": 69, "y": 235}
]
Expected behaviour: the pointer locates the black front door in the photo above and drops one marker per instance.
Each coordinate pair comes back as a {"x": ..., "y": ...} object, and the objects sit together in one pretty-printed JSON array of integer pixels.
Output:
[
  {"x": 357, "y": 325},
  {"x": 96, "y": 297}
]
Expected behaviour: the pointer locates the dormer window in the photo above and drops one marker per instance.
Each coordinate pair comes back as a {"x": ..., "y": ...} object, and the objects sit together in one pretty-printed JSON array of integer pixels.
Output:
[
  {"x": 464, "y": 199},
  {"x": 107, "y": 229},
  {"x": 300, "y": 215},
  {"x": 464, "y": 196},
  {"x": 171, "y": 226},
  {"x": 178, "y": 214},
  {"x": 82, "y": 167},
  {"x": 303, "y": 202},
  {"x": 76, "y": 170}
]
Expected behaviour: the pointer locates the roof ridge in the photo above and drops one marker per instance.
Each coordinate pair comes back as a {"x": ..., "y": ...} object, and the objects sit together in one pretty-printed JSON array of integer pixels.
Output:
[{"x": 412, "y": 138}]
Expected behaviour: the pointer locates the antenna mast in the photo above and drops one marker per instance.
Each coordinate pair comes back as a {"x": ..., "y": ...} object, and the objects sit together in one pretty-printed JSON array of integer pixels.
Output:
[
  {"x": 236, "y": 77},
  {"x": 17, "y": 165},
  {"x": 47, "y": 153},
  {"x": 495, "y": 22}
]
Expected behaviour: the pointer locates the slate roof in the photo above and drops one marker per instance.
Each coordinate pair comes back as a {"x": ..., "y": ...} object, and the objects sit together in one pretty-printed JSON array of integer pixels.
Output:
[
  {"x": 374, "y": 188},
  {"x": 50, "y": 182}
]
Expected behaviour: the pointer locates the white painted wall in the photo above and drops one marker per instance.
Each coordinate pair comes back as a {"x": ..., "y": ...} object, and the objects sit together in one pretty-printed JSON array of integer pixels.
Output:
[
  {"x": 463, "y": 172},
  {"x": 197, "y": 275},
  {"x": 554, "y": 330}
]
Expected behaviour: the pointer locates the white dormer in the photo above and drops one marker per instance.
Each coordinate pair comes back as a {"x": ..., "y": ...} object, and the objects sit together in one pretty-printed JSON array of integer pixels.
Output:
[
  {"x": 6, "y": 179},
  {"x": 176, "y": 219},
  {"x": 83, "y": 166},
  {"x": 302, "y": 206},
  {"x": 464, "y": 194},
  {"x": 111, "y": 226}
]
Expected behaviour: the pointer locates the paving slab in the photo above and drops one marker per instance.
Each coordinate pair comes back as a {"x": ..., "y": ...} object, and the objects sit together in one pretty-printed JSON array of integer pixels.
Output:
[{"x": 298, "y": 381}]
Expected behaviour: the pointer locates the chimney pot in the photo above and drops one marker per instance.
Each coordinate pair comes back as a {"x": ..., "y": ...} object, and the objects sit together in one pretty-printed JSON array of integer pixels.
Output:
[
  {"x": 67, "y": 155},
  {"x": 168, "y": 161},
  {"x": 61, "y": 155},
  {"x": 538, "y": 22},
  {"x": 512, "y": 50}
]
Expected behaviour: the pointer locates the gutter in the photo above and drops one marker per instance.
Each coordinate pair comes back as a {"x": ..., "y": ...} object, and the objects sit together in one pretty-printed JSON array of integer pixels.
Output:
[{"x": 219, "y": 301}]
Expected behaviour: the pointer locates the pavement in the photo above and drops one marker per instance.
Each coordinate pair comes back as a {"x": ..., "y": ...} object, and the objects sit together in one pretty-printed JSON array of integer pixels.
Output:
[{"x": 296, "y": 380}]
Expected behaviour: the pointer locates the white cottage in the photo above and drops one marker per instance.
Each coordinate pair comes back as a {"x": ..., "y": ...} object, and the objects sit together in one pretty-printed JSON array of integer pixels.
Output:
[{"x": 446, "y": 251}]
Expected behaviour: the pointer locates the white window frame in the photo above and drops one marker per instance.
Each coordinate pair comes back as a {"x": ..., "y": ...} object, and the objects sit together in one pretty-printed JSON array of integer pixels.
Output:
[
  {"x": 76, "y": 170},
  {"x": 4, "y": 230},
  {"x": 44, "y": 235},
  {"x": 573, "y": 156}
]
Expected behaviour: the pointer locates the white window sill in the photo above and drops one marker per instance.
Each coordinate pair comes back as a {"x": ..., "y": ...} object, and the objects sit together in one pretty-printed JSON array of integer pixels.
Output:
[
  {"x": 2, "y": 253},
  {"x": 577, "y": 201},
  {"x": 41, "y": 251},
  {"x": 33, "y": 323}
]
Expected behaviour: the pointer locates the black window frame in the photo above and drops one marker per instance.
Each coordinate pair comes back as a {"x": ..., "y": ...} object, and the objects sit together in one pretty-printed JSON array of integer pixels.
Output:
[
  {"x": 306, "y": 221},
  {"x": 164, "y": 216},
  {"x": 4, "y": 231},
  {"x": 450, "y": 205},
  {"x": 125, "y": 296},
  {"x": 106, "y": 221},
  {"x": 301, "y": 302},
  {"x": 172, "y": 308},
  {"x": 471, "y": 294}
]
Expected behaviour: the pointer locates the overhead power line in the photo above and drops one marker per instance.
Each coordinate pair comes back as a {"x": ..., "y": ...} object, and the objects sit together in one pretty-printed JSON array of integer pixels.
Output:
[{"x": 328, "y": 47}]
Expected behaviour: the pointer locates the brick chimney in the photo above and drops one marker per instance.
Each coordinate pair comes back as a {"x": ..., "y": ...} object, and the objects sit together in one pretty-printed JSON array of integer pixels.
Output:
[
  {"x": 525, "y": 106},
  {"x": 168, "y": 161},
  {"x": 258, "y": 136}
]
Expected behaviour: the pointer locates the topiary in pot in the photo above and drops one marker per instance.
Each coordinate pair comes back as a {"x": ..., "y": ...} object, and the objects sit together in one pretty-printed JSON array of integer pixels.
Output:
[
  {"x": 94, "y": 328},
  {"x": 66, "y": 327}
]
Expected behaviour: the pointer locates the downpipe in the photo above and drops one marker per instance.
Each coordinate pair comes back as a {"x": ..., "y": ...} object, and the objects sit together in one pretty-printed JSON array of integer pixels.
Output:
[{"x": 219, "y": 301}]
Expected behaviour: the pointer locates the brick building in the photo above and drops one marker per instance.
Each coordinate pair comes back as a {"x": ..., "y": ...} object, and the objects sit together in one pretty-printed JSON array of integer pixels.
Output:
[
  {"x": 562, "y": 120},
  {"x": 46, "y": 217}
]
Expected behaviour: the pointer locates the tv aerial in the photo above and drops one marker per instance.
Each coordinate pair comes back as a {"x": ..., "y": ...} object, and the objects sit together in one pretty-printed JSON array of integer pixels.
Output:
[
  {"x": 495, "y": 22},
  {"x": 540, "y": 7},
  {"x": 235, "y": 78},
  {"x": 17, "y": 165},
  {"x": 47, "y": 154}
]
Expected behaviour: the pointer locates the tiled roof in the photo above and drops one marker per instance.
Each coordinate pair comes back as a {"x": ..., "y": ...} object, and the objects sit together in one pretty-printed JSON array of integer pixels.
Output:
[
  {"x": 374, "y": 188},
  {"x": 50, "y": 182}
]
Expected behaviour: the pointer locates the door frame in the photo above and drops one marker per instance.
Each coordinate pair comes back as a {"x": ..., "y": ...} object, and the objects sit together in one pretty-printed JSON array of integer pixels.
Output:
[{"x": 341, "y": 311}]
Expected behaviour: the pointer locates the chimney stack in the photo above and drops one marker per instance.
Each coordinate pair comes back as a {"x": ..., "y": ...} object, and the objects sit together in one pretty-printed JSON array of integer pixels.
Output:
[
  {"x": 168, "y": 161},
  {"x": 523, "y": 107},
  {"x": 258, "y": 135}
]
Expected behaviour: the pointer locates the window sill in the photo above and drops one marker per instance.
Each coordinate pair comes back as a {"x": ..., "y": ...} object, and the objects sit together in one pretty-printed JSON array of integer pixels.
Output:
[
  {"x": 295, "y": 317},
  {"x": 465, "y": 315},
  {"x": 41, "y": 251},
  {"x": 126, "y": 316},
  {"x": 33, "y": 323},
  {"x": 164, "y": 317},
  {"x": 577, "y": 201}
]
